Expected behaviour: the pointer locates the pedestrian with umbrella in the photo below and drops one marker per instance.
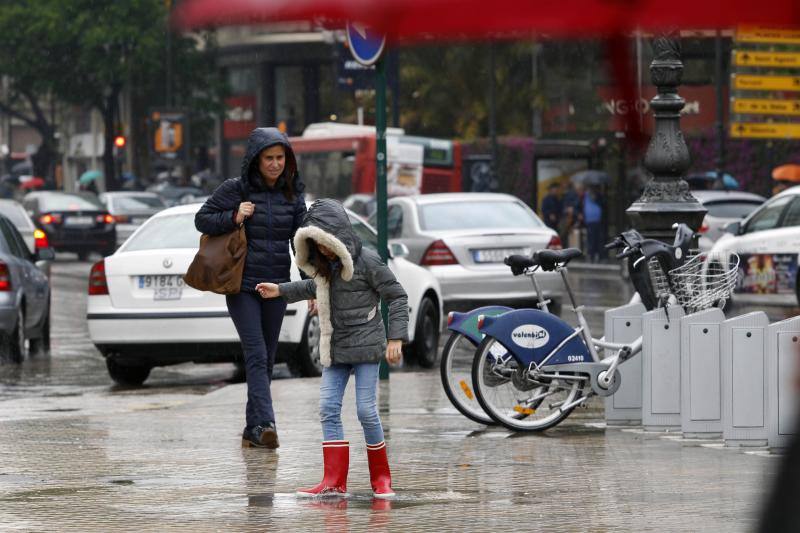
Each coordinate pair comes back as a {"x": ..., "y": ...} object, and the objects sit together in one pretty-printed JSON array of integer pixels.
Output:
[{"x": 88, "y": 181}]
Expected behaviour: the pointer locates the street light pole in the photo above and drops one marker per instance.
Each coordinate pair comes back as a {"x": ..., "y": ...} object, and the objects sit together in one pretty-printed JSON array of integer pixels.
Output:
[
  {"x": 380, "y": 183},
  {"x": 666, "y": 198}
]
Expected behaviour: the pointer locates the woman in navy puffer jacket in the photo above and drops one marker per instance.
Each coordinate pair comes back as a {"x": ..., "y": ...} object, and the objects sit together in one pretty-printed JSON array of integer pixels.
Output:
[{"x": 268, "y": 199}]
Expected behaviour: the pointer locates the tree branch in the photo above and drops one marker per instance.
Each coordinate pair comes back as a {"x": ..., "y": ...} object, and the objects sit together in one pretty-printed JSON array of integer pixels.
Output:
[{"x": 8, "y": 110}]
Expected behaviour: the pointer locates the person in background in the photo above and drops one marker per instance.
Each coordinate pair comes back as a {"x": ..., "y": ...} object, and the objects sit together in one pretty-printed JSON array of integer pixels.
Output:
[
  {"x": 593, "y": 212},
  {"x": 570, "y": 215},
  {"x": 551, "y": 206}
]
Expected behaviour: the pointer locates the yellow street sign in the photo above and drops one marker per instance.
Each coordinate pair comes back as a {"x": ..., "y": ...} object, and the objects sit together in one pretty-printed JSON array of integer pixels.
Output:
[
  {"x": 766, "y": 83},
  {"x": 749, "y": 58},
  {"x": 765, "y": 131},
  {"x": 767, "y": 35},
  {"x": 763, "y": 106}
]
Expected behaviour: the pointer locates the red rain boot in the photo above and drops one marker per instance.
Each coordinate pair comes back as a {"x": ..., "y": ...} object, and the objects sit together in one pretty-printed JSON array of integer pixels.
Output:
[
  {"x": 379, "y": 474},
  {"x": 336, "y": 463}
]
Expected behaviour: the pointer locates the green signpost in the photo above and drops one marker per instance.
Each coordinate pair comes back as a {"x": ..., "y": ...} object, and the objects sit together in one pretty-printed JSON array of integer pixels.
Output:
[{"x": 367, "y": 49}]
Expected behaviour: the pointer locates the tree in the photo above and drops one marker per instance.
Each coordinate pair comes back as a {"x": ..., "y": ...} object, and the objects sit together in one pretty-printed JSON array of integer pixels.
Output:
[{"x": 85, "y": 52}]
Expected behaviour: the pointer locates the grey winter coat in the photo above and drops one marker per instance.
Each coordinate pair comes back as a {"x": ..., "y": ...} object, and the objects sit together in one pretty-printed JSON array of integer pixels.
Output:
[{"x": 351, "y": 326}]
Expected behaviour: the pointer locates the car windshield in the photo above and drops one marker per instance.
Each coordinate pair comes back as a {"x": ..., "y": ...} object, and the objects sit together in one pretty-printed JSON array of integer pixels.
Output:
[
  {"x": 477, "y": 215},
  {"x": 137, "y": 203},
  {"x": 16, "y": 215},
  {"x": 68, "y": 202},
  {"x": 159, "y": 233},
  {"x": 738, "y": 209}
]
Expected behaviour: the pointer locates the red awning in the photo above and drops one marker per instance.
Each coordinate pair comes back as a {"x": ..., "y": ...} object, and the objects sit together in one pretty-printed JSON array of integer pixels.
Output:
[{"x": 416, "y": 20}]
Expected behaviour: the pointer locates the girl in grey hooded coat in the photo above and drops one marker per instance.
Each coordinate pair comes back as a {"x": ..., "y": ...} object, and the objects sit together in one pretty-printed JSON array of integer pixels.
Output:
[{"x": 347, "y": 280}]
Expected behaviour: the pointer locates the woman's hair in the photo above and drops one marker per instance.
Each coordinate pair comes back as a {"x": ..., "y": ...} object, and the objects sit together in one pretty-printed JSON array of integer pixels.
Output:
[{"x": 322, "y": 264}]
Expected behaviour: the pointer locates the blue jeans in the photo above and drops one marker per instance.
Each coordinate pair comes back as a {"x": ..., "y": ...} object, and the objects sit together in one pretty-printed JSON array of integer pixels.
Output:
[
  {"x": 258, "y": 323},
  {"x": 331, "y": 391}
]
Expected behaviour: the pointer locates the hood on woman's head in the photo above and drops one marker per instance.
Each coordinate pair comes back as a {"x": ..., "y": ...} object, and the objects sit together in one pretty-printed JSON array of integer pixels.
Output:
[{"x": 261, "y": 139}]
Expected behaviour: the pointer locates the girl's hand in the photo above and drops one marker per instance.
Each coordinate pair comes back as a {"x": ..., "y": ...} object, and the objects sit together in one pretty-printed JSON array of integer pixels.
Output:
[
  {"x": 394, "y": 351},
  {"x": 268, "y": 290},
  {"x": 312, "y": 307}
]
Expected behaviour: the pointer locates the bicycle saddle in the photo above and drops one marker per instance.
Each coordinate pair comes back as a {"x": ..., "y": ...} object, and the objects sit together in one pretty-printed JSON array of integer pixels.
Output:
[
  {"x": 550, "y": 259},
  {"x": 519, "y": 263}
]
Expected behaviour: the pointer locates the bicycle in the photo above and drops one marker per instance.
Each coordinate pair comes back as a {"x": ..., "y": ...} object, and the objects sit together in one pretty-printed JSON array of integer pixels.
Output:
[{"x": 548, "y": 367}]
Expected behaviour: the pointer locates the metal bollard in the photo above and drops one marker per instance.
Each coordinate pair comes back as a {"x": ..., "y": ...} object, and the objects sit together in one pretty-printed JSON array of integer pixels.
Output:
[
  {"x": 624, "y": 324},
  {"x": 701, "y": 374},
  {"x": 783, "y": 350},
  {"x": 744, "y": 385},
  {"x": 661, "y": 369}
]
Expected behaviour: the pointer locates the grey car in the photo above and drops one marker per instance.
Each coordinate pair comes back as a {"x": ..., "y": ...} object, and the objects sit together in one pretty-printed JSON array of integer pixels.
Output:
[
  {"x": 24, "y": 296},
  {"x": 723, "y": 208},
  {"x": 462, "y": 238},
  {"x": 16, "y": 213},
  {"x": 130, "y": 209}
]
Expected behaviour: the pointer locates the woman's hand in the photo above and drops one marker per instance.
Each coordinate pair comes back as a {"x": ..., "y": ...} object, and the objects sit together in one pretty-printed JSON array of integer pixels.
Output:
[
  {"x": 394, "y": 351},
  {"x": 312, "y": 307},
  {"x": 245, "y": 211},
  {"x": 268, "y": 290}
]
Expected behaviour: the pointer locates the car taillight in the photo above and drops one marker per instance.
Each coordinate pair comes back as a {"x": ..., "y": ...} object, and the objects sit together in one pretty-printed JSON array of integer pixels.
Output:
[
  {"x": 105, "y": 219},
  {"x": 703, "y": 228},
  {"x": 97, "y": 279},
  {"x": 438, "y": 254},
  {"x": 122, "y": 219},
  {"x": 450, "y": 317},
  {"x": 555, "y": 243},
  {"x": 5, "y": 277},
  {"x": 50, "y": 218},
  {"x": 40, "y": 239}
]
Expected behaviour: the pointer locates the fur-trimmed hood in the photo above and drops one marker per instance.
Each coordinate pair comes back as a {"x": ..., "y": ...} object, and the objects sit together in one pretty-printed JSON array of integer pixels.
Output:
[{"x": 327, "y": 223}]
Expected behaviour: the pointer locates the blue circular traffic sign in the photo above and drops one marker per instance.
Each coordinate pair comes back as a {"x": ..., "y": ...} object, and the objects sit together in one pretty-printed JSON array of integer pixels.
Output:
[{"x": 365, "y": 44}]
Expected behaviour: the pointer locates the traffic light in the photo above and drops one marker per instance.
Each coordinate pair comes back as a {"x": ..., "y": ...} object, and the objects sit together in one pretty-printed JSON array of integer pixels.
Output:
[{"x": 120, "y": 141}]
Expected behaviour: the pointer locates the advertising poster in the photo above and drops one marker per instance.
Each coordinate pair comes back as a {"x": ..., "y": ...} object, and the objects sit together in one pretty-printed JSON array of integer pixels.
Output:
[
  {"x": 767, "y": 273},
  {"x": 403, "y": 168}
]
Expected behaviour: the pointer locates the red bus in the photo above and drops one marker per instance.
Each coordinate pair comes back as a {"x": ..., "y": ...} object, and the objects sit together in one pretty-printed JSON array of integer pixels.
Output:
[{"x": 337, "y": 160}]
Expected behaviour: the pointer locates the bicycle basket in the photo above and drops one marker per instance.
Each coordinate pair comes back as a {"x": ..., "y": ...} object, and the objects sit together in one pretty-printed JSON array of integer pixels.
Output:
[{"x": 703, "y": 281}]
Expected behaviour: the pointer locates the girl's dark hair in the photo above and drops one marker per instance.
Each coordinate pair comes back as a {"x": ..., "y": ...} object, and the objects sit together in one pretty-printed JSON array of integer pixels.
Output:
[{"x": 321, "y": 263}]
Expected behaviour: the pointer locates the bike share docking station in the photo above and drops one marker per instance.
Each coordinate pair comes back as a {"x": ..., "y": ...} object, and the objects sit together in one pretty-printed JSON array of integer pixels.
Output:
[{"x": 707, "y": 376}]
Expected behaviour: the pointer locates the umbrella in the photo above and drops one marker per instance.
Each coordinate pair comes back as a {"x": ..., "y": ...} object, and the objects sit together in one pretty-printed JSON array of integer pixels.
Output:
[
  {"x": 89, "y": 176},
  {"x": 33, "y": 183},
  {"x": 786, "y": 173},
  {"x": 417, "y": 20},
  {"x": 728, "y": 181},
  {"x": 589, "y": 177}
]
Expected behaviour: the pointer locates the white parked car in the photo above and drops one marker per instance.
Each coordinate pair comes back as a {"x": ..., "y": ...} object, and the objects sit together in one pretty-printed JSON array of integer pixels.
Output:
[
  {"x": 723, "y": 208},
  {"x": 462, "y": 239},
  {"x": 768, "y": 243},
  {"x": 130, "y": 209},
  {"x": 141, "y": 314}
]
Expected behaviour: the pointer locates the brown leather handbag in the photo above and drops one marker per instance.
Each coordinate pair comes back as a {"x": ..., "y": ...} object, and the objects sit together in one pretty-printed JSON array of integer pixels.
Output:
[{"x": 219, "y": 263}]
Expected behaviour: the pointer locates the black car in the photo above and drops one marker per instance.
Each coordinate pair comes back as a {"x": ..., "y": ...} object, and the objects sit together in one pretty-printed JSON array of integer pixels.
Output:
[{"x": 73, "y": 222}]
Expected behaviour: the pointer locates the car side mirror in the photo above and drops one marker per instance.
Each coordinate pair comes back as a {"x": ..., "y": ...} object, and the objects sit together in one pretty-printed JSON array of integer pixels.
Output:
[
  {"x": 45, "y": 254},
  {"x": 398, "y": 249},
  {"x": 734, "y": 228}
]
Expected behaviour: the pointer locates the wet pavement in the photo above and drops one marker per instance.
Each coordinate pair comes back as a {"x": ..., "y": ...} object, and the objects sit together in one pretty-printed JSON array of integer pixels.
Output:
[{"x": 157, "y": 465}]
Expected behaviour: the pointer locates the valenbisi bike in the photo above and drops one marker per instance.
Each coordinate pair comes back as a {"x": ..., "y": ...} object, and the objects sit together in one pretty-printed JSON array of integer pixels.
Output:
[{"x": 546, "y": 367}]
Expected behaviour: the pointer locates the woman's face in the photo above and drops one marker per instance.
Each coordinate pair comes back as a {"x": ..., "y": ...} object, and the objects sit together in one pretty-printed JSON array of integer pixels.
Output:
[
  {"x": 327, "y": 252},
  {"x": 271, "y": 162}
]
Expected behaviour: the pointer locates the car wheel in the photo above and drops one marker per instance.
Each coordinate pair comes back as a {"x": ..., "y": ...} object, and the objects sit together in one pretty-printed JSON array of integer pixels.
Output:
[
  {"x": 425, "y": 348},
  {"x": 306, "y": 361},
  {"x": 239, "y": 372},
  {"x": 126, "y": 374},
  {"x": 14, "y": 346},
  {"x": 41, "y": 346}
]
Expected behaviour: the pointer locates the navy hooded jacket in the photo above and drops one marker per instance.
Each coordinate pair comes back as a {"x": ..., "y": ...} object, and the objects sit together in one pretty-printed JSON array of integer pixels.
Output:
[{"x": 275, "y": 218}]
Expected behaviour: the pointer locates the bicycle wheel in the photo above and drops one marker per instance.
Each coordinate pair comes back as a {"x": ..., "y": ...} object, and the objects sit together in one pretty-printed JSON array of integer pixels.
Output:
[
  {"x": 456, "y": 373},
  {"x": 497, "y": 382}
]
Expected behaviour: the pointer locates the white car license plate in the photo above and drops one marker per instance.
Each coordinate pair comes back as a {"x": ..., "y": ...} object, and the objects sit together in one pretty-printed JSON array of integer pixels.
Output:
[
  {"x": 164, "y": 286},
  {"x": 78, "y": 221},
  {"x": 496, "y": 255}
]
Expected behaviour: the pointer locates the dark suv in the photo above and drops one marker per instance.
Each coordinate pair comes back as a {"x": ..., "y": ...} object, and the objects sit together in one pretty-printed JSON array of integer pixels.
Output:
[{"x": 73, "y": 222}]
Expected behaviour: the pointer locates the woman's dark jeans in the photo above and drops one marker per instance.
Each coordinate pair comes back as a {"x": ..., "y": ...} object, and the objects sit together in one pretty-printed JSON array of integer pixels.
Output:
[{"x": 258, "y": 322}]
